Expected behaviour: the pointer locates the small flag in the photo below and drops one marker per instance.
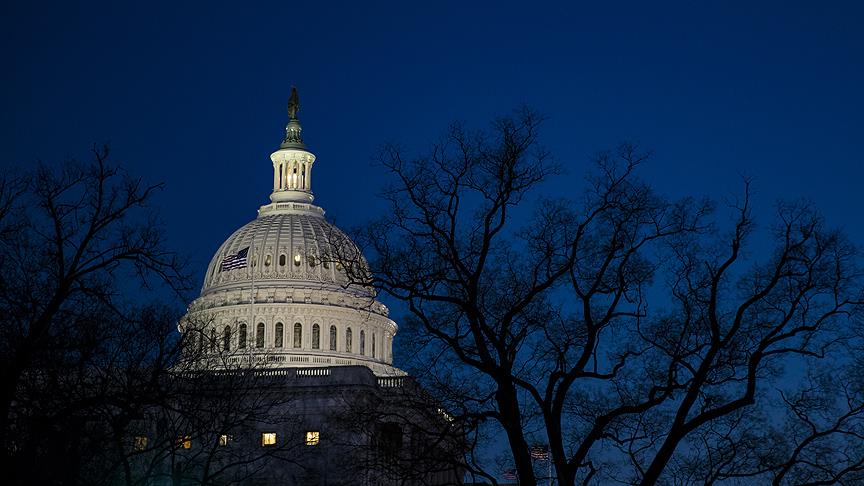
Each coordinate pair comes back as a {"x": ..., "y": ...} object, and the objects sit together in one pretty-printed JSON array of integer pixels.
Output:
[
  {"x": 540, "y": 452},
  {"x": 510, "y": 474},
  {"x": 236, "y": 260}
]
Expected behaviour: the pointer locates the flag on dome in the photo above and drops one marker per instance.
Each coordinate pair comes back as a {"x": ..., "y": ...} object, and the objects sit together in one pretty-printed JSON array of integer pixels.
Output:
[{"x": 235, "y": 260}]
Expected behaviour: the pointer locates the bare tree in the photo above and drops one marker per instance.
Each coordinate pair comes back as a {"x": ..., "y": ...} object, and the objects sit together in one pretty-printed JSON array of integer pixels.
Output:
[
  {"x": 546, "y": 331},
  {"x": 70, "y": 236},
  {"x": 96, "y": 386}
]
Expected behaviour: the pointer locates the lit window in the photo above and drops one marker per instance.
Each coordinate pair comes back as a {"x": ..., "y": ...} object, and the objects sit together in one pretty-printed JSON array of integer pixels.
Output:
[
  {"x": 267, "y": 261},
  {"x": 313, "y": 438},
  {"x": 268, "y": 439},
  {"x": 297, "y": 260},
  {"x": 185, "y": 441},
  {"x": 140, "y": 442},
  {"x": 224, "y": 439}
]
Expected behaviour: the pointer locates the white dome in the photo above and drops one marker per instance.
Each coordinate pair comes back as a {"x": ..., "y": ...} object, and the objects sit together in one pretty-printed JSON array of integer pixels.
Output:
[
  {"x": 288, "y": 303},
  {"x": 286, "y": 249}
]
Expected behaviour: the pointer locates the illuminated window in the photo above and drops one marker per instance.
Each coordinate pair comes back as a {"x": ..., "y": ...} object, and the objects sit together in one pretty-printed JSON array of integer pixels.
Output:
[
  {"x": 297, "y": 260},
  {"x": 313, "y": 438},
  {"x": 140, "y": 442},
  {"x": 185, "y": 441},
  {"x": 224, "y": 439},
  {"x": 267, "y": 260},
  {"x": 268, "y": 439}
]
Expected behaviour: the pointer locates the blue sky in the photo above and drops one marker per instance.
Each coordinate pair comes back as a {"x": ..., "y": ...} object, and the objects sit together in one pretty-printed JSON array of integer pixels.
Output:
[{"x": 194, "y": 94}]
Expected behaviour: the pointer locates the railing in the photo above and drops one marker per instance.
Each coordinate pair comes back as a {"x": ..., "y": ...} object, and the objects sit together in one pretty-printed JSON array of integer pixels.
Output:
[
  {"x": 391, "y": 381},
  {"x": 313, "y": 371}
]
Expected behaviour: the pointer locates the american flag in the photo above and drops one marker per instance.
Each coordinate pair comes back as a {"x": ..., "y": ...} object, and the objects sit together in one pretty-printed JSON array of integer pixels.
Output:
[
  {"x": 235, "y": 260},
  {"x": 510, "y": 474},
  {"x": 540, "y": 452}
]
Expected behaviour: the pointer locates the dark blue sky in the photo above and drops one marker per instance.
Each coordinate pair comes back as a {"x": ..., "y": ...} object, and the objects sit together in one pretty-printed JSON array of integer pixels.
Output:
[{"x": 194, "y": 95}]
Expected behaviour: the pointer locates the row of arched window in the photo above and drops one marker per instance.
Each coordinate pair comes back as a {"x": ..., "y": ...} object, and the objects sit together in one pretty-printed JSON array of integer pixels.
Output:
[
  {"x": 292, "y": 176},
  {"x": 226, "y": 340},
  {"x": 297, "y": 259}
]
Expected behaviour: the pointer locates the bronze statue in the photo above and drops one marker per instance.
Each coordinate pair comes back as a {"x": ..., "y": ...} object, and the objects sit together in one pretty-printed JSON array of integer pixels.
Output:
[{"x": 293, "y": 104}]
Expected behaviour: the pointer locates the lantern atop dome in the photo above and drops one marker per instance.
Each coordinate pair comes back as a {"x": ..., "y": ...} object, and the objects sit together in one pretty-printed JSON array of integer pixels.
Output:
[{"x": 292, "y": 163}]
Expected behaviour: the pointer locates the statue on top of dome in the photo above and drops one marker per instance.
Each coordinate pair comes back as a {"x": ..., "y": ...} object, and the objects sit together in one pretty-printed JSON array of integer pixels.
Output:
[{"x": 293, "y": 104}]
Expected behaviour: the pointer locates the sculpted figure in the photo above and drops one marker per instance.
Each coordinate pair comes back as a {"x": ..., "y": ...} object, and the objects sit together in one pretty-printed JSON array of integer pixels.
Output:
[{"x": 293, "y": 103}]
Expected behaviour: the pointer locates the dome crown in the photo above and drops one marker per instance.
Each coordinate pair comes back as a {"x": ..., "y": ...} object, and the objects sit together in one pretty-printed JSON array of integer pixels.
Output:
[{"x": 276, "y": 294}]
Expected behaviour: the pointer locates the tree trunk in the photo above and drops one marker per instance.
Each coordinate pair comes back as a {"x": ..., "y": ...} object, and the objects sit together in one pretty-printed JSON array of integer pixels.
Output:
[{"x": 511, "y": 419}]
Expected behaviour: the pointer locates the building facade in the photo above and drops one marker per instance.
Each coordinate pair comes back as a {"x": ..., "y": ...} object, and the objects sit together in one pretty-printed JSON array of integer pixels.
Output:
[{"x": 289, "y": 364}]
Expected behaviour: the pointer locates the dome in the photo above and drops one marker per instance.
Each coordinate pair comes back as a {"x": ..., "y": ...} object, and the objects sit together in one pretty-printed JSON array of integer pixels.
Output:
[
  {"x": 287, "y": 248},
  {"x": 276, "y": 294}
]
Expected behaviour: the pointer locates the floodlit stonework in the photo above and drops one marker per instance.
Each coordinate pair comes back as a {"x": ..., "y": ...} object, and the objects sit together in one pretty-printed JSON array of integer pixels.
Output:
[
  {"x": 291, "y": 304},
  {"x": 288, "y": 375}
]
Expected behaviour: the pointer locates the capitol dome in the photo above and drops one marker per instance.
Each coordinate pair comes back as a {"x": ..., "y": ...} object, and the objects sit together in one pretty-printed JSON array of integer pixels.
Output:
[{"x": 276, "y": 293}]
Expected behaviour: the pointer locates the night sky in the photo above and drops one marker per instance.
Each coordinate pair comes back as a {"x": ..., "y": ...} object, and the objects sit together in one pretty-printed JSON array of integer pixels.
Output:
[{"x": 195, "y": 95}]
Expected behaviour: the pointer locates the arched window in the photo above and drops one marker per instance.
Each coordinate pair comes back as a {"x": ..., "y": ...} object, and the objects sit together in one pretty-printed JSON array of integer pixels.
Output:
[
  {"x": 348, "y": 340},
  {"x": 282, "y": 260},
  {"x": 188, "y": 344},
  {"x": 316, "y": 336},
  {"x": 259, "y": 335},
  {"x": 241, "y": 336},
  {"x": 226, "y": 338},
  {"x": 362, "y": 342},
  {"x": 277, "y": 338},
  {"x": 373, "y": 344},
  {"x": 298, "y": 335},
  {"x": 213, "y": 340},
  {"x": 332, "y": 338}
]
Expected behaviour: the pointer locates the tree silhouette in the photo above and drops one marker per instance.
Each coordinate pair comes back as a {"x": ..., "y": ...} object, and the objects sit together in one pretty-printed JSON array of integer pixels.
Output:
[{"x": 544, "y": 329}]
